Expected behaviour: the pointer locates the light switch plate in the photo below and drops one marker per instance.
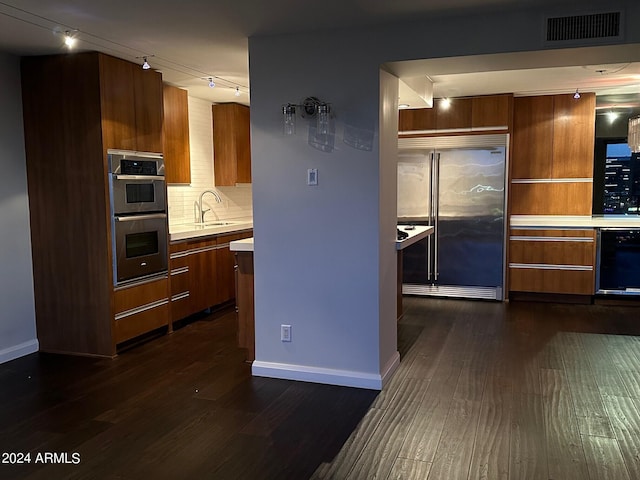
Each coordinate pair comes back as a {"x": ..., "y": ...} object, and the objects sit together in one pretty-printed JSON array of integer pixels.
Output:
[{"x": 312, "y": 176}]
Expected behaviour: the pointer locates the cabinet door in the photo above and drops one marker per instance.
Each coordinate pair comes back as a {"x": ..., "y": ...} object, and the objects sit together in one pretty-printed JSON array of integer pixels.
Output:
[
  {"x": 147, "y": 85},
  {"x": 226, "y": 266},
  {"x": 457, "y": 115},
  {"x": 532, "y": 137},
  {"x": 231, "y": 144},
  {"x": 176, "y": 135},
  {"x": 491, "y": 111},
  {"x": 417, "y": 119},
  {"x": 574, "y": 123},
  {"x": 117, "y": 103}
]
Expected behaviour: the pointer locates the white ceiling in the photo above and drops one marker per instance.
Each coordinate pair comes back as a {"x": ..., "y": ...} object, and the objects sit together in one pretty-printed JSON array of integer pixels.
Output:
[{"x": 192, "y": 40}]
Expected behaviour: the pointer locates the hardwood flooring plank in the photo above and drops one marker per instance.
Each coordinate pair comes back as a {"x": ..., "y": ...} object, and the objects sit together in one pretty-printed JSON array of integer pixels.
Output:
[
  {"x": 455, "y": 449},
  {"x": 404, "y": 469},
  {"x": 343, "y": 462},
  {"x": 528, "y": 454},
  {"x": 565, "y": 454},
  {"x": 624, "y": 413},
  {"x": 604, "y": 459},
  {"x": 490, "y": 459}
]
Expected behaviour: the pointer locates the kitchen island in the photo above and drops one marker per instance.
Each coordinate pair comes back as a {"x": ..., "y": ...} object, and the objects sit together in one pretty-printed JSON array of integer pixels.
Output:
[
  {"x": 415, "y": 234},
  {"x": 244, "y": 282}
]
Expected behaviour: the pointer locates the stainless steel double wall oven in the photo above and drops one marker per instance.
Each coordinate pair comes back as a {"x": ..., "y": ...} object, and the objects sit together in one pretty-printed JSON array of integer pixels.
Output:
[{"x": 139, "y": 232}]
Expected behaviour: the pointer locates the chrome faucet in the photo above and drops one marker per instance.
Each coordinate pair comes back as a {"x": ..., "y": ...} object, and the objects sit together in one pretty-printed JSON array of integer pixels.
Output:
[{"x": 202, "y": 212}]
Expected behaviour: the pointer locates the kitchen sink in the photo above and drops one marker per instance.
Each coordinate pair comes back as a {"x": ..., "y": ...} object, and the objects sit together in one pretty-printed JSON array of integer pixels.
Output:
[{"x": 215, "y": 224}]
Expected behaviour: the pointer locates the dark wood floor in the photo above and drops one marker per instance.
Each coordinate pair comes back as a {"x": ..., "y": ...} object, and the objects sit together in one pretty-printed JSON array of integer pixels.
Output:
[
  {"x": 504, "y": 391},
  {"x": 484, "y": 391}
]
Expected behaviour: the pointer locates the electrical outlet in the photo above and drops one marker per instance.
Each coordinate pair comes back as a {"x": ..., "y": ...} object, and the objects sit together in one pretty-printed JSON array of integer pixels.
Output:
[{"x": 285, "y": 333}]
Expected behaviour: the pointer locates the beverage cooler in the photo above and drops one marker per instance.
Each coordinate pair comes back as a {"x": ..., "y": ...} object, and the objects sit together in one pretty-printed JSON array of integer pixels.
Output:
[{"x": 618, "y": 269}]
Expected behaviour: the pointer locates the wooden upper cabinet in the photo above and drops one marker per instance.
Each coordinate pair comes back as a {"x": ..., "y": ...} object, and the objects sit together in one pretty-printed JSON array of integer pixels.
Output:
[
  {"x": 463, "y": 113},
  {"x": 457, "y": 115},
  {"x": 231, "y": 144},
  {"x": 177, "y": 159},
  {"x": 492, "y": 111},
  {"x": 574, "y": 123},
  {"x": 533, "y": 132},
  {"x": 416, "y": 119},
  {"x": 147, "y": 89},
  {"x": 117, "y": 103},
  {"x": 131, "y": 104}
]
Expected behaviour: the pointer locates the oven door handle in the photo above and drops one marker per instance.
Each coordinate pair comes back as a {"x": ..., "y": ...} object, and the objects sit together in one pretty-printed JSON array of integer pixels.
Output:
[
  {"x": 135, "y": 218},
  {"x": 138, "y": 177}
]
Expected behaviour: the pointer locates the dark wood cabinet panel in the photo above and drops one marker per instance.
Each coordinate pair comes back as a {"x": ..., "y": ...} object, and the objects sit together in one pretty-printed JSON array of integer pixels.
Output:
[
  {"x": 532, "y": 150},
  {"x": 456, "y": 115},
  {"x": 492, "y": 111},
  {"x": 416, "y": 119},
  {"x": 563, "y": 198},
  {"x": 245, "y": 303},
  {"x": 117, "y": 105},
  {"x": 147, "y": 87},
  {"x": 231, "y": 144},
  {"x": 573, "y": 136},
  {"x": 177, "y": 158},
  {"x": 225, "y": 274}
]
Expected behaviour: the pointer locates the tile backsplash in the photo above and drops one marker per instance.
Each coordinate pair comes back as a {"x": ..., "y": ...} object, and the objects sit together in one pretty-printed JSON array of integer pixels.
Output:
[{"x": 183, "y": 199}]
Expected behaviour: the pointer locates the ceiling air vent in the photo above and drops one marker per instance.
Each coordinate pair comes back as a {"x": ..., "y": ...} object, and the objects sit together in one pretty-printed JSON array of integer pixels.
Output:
[{"x": 603, "y": 26}]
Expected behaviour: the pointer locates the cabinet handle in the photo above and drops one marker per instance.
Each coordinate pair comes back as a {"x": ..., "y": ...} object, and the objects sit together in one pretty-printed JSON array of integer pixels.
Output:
[{"x": 142, "y": 308}]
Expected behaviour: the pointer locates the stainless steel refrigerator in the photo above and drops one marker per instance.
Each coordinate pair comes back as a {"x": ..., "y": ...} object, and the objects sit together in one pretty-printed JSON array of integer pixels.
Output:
[{"x": 457, "y": 184}]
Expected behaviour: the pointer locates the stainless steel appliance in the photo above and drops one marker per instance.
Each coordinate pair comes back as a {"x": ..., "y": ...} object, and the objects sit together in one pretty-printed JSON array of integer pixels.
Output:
[
  {"x": 137, "y": 181},
  {"x": 618, "y": 262},
  {"x": 139, "y": 229},
  {"x": 457, "y": 185}
]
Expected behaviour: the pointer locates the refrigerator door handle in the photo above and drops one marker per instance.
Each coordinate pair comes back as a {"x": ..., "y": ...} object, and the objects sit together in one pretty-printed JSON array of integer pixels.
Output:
[
  {"x": 431, "y": 218},
  {"x": 436, "y": 210}
]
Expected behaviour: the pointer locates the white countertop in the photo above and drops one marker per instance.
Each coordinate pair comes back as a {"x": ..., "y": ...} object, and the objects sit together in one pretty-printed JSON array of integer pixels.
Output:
[
  {"x": 244, "y": 245},
  {"x": 417, "y": 233},
  {"x": 192, "y": 230},
  {"x": 575, "y": 221}
]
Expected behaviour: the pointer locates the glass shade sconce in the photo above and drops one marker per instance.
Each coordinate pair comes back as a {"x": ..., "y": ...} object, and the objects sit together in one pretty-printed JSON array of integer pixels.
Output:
[
  {"x": 311, "y": 107},
  {"x": 289, "y": 114}
]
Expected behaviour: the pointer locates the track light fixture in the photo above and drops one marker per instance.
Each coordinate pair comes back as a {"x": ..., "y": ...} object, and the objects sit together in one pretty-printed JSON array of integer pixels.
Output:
[
  {"x": 69, "y": 40},
  {"x": 145, "y": 64},
  {"x": 576, "y": 95},
  {"x": 237, "y": 94},
  {"x": 211, "y": 82},
  {"x": 311, "y": 107}
]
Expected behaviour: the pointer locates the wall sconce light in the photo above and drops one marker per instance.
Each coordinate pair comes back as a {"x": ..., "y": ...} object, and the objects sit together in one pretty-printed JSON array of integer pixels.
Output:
[
  {"x": 289, "y": 112},
  {"x": 633, "y": 137},
  {"x": 311, "y": 107}
]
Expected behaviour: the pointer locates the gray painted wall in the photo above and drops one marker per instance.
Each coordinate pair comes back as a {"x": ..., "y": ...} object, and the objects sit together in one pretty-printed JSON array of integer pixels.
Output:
[
  {"x": 321, "y": 253},
  {"x": 17, "y": 311}
]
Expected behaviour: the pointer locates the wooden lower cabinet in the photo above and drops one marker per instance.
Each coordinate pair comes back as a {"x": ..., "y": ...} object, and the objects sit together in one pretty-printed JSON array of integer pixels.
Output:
[
  {"x": 245, "y": 303},
  {"x": 201, "y": 274},
  {"x": 552, "y": 261},
  {"x": 140, "y": 308}
]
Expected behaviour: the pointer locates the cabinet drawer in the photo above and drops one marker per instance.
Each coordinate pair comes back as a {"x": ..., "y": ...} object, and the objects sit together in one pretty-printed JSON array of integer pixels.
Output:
[
  {"x": 140, "y": 308},
  {"x": 552, "y": 247},
  {"x": 552, "y": 261},
  {"x": 146, "y": 318},
  {"x": 134, "y": 296},
  {"x": 180, "y": 280},
  {"x": 538, "y": 280}
]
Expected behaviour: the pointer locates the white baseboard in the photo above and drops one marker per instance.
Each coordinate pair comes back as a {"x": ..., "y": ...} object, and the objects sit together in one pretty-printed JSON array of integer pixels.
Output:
[
  {"x": 19, "y": 350},
  {"x": 329, "y": 376}
]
